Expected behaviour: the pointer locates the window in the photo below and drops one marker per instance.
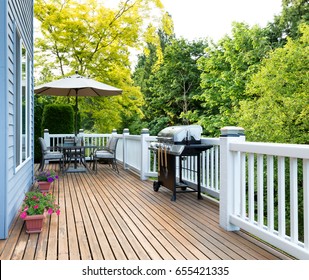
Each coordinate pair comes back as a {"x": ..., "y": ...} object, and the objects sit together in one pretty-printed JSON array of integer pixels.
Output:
[{"x": 22, "y": 103}]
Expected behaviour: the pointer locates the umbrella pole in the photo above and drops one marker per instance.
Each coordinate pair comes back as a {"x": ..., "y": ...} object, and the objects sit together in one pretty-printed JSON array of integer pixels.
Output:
[{"x": 76, "y": 111}]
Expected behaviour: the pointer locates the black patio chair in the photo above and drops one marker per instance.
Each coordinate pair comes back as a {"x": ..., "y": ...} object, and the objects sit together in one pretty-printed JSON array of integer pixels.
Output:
[
  {"x": 107, "y": 153},
  {"x": 74, "y": 152},
  {"x": 49, "y": 153}
]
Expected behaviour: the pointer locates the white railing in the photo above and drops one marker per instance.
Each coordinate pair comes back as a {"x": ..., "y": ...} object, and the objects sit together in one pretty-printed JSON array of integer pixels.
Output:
[
  {"x": 262, "y": 188},
  {"x": 265, "y": 191}
]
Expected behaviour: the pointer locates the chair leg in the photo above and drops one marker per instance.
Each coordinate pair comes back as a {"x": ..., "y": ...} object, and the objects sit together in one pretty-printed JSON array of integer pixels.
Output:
[
  {"x": 114, "y": 165},
  {"x": 42, "y": 164},
  {"x": 61, "y": 165},
  {"x": 95, "y": 165}
]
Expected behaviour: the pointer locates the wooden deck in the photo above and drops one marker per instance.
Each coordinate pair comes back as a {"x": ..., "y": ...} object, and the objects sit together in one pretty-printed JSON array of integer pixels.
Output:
[{"x": 106, "y": 216}]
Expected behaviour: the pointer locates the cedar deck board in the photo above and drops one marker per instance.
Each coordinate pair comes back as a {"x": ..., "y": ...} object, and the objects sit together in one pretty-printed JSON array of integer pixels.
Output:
[{"x": 118, "y": 216}]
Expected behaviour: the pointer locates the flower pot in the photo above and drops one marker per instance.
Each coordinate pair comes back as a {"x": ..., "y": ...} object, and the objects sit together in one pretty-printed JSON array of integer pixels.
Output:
[
  {"x": 44, "y": 186},
  {"x": 34, "y": 223}
]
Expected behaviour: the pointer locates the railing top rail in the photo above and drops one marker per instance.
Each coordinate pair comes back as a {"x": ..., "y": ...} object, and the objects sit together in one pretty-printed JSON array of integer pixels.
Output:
[
  {"x": 275, "y": 149},
  {"x": 85, "y": 134},
  {"x": 211, "y": 141},
  {"x": 97, "y": 134},
  {"x": 60, "y": 135},
  {"x": 151, "y": 138},
  {"x": 133, "y": 137}
]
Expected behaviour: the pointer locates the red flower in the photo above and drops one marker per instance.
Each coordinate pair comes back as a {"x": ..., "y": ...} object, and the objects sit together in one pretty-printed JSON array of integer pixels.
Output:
[{"x": 23, "y": 215}]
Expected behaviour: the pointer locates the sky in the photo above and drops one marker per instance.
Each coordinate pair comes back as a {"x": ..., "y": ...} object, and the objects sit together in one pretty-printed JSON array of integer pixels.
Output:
[{"x": 195, "y": 19}]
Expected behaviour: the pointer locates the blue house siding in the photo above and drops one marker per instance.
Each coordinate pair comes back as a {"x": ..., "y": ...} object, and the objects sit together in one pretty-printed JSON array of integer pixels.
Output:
[
  {"x": 15, "y": 16},
  {"x": 3, "y": 114}
]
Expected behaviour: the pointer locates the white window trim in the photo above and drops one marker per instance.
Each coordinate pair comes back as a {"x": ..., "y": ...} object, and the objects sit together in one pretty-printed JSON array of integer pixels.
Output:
[{"x": 23, "y": 151}]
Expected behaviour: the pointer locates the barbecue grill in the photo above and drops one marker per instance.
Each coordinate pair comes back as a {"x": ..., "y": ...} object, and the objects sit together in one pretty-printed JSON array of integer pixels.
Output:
[{"x": 173, "y": 142}]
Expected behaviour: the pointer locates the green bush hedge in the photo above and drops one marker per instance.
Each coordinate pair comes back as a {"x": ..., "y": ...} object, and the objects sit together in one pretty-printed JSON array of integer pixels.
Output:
[{"x": 58, "y": 118}]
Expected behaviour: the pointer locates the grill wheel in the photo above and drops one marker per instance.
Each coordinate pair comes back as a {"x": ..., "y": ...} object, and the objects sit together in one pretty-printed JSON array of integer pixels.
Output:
[{"x": 156, "y": 186}]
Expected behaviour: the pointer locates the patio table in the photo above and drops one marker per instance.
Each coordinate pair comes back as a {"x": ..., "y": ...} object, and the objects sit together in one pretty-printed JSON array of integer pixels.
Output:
[{"x": 74, "y": 153}]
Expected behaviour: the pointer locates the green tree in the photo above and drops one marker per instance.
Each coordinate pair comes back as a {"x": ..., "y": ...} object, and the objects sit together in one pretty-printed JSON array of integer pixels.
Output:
[
  {"x": 170, "y": 87},
  {"x": 278, "y": 110},
  {"x": 96, "y": 41},
  {"x": 226, "y": 68},
  {"x": 294, "y": 13},
  {"x": 53, "y": 116}
]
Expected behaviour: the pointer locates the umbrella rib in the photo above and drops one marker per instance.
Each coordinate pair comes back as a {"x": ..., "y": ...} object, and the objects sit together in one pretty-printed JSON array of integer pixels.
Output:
[
  {"x": 95, "y": 92},
  {"x": 45, "y": 89}
]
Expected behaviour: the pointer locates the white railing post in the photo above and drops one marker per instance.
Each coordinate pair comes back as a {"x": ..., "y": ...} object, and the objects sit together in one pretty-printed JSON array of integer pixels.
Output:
[
  {"x": 144, "y": 154},
  {"x": 228, "y": 175},
  {"x": 114, "y": 131},
  {"x": 81, "y": 133},
  {"x": 46, "y": 137},
  {"x": 124, "y": 147}
]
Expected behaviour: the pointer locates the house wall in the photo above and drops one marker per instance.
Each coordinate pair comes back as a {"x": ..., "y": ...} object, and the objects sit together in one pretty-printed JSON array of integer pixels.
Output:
[
  {"x": 14, "y": 182},
  {"x": 3, "y": 114}
]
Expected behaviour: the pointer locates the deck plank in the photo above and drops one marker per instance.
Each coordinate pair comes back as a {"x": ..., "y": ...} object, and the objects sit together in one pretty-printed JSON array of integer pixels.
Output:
[
  {"x": 106, "y": 216},
  {"x": 63, "y": 246}
]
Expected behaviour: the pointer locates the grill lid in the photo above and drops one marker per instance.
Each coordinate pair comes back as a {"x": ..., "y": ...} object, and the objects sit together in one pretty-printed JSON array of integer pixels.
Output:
[{"x": 184, "y": 134}]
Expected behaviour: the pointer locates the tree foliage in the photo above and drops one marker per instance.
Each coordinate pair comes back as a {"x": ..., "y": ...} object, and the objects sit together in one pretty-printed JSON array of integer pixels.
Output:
[
  {"x": 52, "y": 118},
  {"x": 95, "y": 40},
  {"x": 278, "y": 110},
  {"x": 256, "y": 77},
  {"x": 169, "y": 89},
  {"x": 226, "y": 68}
]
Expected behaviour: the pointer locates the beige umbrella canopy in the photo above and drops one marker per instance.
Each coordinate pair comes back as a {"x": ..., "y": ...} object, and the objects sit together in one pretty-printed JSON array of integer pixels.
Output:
[{"x": 76, "y": 85}]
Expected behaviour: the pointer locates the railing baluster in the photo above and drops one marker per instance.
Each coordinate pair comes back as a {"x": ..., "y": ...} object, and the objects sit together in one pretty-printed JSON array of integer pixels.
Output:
[
  {"x": 243, "y": 185},
  {"x": 207, "y": 169},
  {"x": 251, "y": 186},
  {"x": 212, "y": 171},
  {"x": 217, "y": 164},
  {"x": 281, "y": 196},
  {"x": 306, "y": 202},
  {"x": 293, "y": 200},
  {"x": 237, "y": 184},
  {"x": 260, "y": 190},
  {"x": 270, "y": 193}
]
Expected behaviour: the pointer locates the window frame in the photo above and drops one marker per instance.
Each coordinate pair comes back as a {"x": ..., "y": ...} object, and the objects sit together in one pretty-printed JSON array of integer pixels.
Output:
[{"x": 22, "y": 104}]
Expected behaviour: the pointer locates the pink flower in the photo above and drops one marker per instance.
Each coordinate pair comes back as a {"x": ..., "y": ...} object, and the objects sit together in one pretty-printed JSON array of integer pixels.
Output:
[
  {"x": 26, "y": 208},
  {"x": 50, "y": 211},
  {"x": 23, "y": 215},
  {"x": 58, "y": 212},
  {"x": 35, "y": 206}
]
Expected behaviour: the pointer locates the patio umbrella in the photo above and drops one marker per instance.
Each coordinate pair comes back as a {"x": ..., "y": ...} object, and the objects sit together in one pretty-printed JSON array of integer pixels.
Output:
[{"x": 76, "y": 85}]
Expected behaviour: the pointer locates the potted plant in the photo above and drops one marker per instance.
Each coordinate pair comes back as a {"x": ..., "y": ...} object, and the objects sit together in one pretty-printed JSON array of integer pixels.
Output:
[
  {"x": 35, "y": 207},
  {"x": 45, "y": 179}
]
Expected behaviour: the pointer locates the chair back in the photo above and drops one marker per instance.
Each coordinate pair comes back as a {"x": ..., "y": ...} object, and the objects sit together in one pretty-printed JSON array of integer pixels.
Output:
[
  {"x": 79, "y": 141},
  {"x": 68, "y": 141},
  {"x": 113, "y": 144},
  {"x": 43, "y": 145},
  {"x": 108, "y": 143}
]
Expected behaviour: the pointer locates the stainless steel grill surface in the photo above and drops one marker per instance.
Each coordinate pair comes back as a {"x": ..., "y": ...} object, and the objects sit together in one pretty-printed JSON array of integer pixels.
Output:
[{"x": 174, "y": 142}]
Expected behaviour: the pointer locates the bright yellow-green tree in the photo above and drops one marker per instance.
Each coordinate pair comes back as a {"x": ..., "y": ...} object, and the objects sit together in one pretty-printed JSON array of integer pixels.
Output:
[
  {"x": 278, "y": 110},
  {"x": 95, "y": 40}
]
